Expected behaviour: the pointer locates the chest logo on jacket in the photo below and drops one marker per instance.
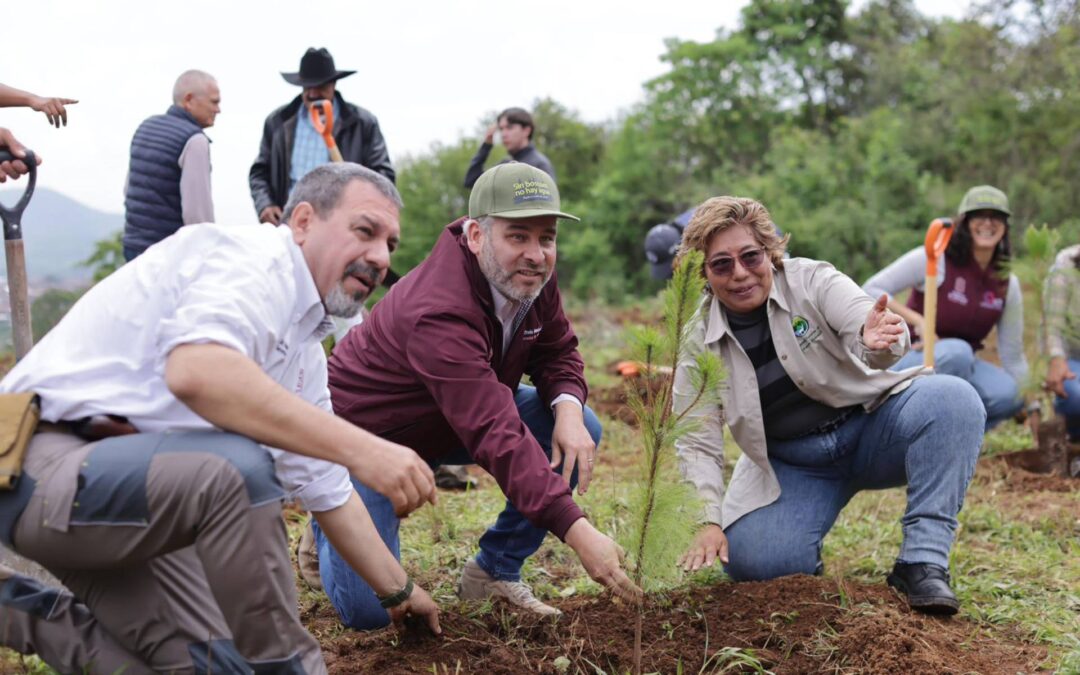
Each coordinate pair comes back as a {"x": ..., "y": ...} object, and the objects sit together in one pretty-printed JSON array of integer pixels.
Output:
[
  {"x": 530, "y": 333},
  {"x": 958, "y": 294},
  {"x": 992, "y": 301},
  {"x": 806, "y": 332},
  {"x": 800, "y": 326}
]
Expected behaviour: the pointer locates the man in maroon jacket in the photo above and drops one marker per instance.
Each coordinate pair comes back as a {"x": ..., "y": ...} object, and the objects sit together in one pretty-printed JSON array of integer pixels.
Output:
[{"x": 437, "y": 368}]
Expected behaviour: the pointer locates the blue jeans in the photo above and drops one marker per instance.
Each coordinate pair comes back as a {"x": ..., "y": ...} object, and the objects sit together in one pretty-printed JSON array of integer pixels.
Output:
[
  {"x": 926, "y": 437},
  {"x": 997, "y": 389},
  {"x": 503, "y": 548},
  {"x": 1070, "y": 406}
]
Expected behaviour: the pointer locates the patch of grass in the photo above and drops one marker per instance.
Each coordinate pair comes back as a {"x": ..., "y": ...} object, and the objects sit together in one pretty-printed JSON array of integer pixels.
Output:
[
  {"x": 10, "y": 662},
  {"x": 734, "y": 660},
  {"x": 1016, "y": 567},
  {"x": 1007, "y": 437},
  {"x": 1006, "y": 572}
]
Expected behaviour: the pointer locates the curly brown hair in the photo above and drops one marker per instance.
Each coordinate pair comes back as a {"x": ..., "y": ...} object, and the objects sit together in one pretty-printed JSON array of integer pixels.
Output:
[{"x": 717, "y": 214}]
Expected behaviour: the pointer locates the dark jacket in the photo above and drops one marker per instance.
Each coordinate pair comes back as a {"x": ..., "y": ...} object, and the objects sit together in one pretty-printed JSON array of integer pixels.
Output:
[
  {"x": 426, "y": 370},
  {"x": 356, "y": 132},
  {"x": 527, "y": 155},
  {"x": 152, "y": 206}
]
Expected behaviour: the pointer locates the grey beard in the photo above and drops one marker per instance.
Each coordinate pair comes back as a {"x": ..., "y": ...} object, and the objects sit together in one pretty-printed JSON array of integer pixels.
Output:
[
  {"x": 340, "y": 303},
  {"x": 501, "y": 279}
]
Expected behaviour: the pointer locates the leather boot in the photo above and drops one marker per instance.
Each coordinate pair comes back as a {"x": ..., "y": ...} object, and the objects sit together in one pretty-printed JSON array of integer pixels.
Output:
[{"x": 926, "y": 586}]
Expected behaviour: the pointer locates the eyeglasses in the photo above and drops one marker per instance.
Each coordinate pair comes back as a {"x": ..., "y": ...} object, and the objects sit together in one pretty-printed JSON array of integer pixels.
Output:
[
  {"x": 724, "y": 265},
  {"x": 995, "y": 217}
]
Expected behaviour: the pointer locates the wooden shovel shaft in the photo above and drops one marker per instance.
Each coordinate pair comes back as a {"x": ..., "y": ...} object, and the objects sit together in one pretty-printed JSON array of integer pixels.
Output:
[
  {"x": 929, "y": 320},
  {"x": 937, "y": 239},
  {"x": 17, "y": 294}
]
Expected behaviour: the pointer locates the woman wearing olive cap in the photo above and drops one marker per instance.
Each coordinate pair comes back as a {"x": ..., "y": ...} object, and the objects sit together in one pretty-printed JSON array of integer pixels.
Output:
[
  {"x": 975, "y": 294},
  {"x": 816, "y": 413}
]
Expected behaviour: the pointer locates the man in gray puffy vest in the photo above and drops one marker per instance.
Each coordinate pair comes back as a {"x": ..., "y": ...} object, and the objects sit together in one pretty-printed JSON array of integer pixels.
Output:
[{"x": 168, "y": 183}]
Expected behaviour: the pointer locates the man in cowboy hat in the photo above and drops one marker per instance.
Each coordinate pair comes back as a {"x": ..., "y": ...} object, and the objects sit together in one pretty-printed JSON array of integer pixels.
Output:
[{"x": 291, "y": 147}]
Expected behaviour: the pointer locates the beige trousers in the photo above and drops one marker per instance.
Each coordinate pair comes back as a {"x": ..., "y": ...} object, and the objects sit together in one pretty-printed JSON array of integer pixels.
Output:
[{"x": 174, "y": 551}]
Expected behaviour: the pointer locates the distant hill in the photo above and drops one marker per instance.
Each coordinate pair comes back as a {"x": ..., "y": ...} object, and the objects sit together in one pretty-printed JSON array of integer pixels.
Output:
[{"x": 59, "y": 233}]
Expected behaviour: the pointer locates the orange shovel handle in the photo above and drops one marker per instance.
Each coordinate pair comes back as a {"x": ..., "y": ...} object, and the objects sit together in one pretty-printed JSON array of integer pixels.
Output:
[
  {"x": 322, "y": 118},
  {"x": 937, "y": 239}
]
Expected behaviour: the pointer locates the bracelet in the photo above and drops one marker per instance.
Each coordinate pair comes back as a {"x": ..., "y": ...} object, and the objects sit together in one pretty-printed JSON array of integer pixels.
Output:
[{"x": 395, "y": 599}]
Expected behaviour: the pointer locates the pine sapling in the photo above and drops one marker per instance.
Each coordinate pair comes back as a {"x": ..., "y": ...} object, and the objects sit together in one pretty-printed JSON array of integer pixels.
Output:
[{"x": 664, "y": 510}]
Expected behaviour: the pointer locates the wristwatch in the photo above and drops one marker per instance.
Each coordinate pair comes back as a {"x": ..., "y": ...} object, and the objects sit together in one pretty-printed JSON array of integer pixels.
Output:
[{"x": 395, "y": 599}]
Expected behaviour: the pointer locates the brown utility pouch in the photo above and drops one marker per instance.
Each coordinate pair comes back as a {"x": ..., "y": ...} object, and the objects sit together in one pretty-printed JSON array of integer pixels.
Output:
[{"x": 19, "y": 415}]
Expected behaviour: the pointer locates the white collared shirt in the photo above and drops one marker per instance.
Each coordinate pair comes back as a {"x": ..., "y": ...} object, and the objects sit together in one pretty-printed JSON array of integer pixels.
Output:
[
  {"x": 505, "y": 309},
  {"x": 246, "y": 287}
]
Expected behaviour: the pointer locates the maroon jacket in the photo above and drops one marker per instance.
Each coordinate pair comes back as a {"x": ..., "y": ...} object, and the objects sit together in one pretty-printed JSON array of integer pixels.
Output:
[{"x": 426, "y": 370}]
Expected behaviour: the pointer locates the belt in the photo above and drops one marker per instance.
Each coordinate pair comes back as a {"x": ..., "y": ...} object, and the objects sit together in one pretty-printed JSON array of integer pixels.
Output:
[
  {"x": 99, "y": 427},
  {"x": 833, "y": 424}
]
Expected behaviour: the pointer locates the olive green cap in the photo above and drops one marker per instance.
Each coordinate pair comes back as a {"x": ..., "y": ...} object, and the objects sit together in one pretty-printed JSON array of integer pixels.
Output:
[
  {"x": 515, "y": 190},
  {"x": 984, "y": 197}
]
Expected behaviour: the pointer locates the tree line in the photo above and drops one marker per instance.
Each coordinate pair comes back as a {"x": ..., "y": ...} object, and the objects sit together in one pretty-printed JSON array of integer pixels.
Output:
[{"x": 855, "y": 128}]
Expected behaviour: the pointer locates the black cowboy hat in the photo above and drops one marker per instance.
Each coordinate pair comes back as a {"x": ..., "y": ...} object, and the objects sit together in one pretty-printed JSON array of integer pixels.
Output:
[{"x": 316, "y": 68}]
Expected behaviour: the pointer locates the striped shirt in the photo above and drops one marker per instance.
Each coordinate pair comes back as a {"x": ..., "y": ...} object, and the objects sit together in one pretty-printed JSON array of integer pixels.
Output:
[{"x": 787, "y": 412}]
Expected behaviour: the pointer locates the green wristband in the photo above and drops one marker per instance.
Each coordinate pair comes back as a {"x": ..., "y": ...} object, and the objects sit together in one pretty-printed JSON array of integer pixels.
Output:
[{"x": 395, "y": 599}]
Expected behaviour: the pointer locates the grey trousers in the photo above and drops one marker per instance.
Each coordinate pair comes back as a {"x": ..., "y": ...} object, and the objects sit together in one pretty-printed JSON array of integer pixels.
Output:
[{"x": 174, "y": 551}]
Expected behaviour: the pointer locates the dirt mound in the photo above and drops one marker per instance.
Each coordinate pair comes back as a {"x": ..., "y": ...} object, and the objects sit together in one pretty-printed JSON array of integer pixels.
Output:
[
  {"x": 611, "y": 402},
  {"x": 790, "y": 625},
  {"x": 999, "y": 469}
]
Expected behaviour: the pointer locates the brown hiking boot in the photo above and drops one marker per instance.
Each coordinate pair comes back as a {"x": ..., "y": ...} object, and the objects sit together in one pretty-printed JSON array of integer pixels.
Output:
[
  {"x": 307, "y": 558},
  {"x": 476, "y": 584}
]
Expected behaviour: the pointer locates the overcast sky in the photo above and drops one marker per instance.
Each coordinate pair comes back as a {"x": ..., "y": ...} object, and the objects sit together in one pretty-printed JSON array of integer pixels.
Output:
[{"x": 428, "y": 70}]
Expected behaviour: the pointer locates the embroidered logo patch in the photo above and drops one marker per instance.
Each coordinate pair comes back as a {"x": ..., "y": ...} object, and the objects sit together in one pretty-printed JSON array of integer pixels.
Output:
[
  {"x": 800, "y": 326},
  {"x": 805, "y": 333},
  {"x": 959, "y": 292},
  {"x": 991, "y": 301}
]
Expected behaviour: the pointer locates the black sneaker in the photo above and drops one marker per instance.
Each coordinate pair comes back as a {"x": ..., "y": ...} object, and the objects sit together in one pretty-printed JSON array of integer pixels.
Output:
[{"x": 926, "y": 586}]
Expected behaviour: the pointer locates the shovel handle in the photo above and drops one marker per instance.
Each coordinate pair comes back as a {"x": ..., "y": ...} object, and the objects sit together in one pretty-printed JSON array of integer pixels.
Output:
[
  {"x": 322, "y": 118},
  {"x": 12, "y": 216},
  {"x": 18, "y": 297},
  {"x": 937, "y": 240}
]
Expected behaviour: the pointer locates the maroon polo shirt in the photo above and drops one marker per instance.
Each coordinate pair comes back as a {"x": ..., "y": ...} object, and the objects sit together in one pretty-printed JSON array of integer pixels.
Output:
[{"x": 426, "y": 370}]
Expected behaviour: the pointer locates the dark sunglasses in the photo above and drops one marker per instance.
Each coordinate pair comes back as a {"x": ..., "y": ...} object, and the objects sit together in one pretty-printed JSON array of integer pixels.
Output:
[
  {"x": 996, "y": 217},
  {"x": 724, "y": 265}
]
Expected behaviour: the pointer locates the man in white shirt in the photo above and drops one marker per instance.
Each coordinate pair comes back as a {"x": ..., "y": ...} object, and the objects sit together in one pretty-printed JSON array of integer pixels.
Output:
[{"x": 171, "y": 538}]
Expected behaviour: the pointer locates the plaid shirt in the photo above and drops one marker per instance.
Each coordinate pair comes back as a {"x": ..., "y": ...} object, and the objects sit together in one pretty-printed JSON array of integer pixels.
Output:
[
  {"x": 1063, "y": 306},
  {"x": 309, "y": 149}
]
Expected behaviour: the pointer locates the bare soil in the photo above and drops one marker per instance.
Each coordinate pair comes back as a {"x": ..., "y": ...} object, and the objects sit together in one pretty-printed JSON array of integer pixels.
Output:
[
  {"x": 792, "y": 625},
  {"x": 611, "y": 402},
  {"x": 1009, "y": 475}
]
